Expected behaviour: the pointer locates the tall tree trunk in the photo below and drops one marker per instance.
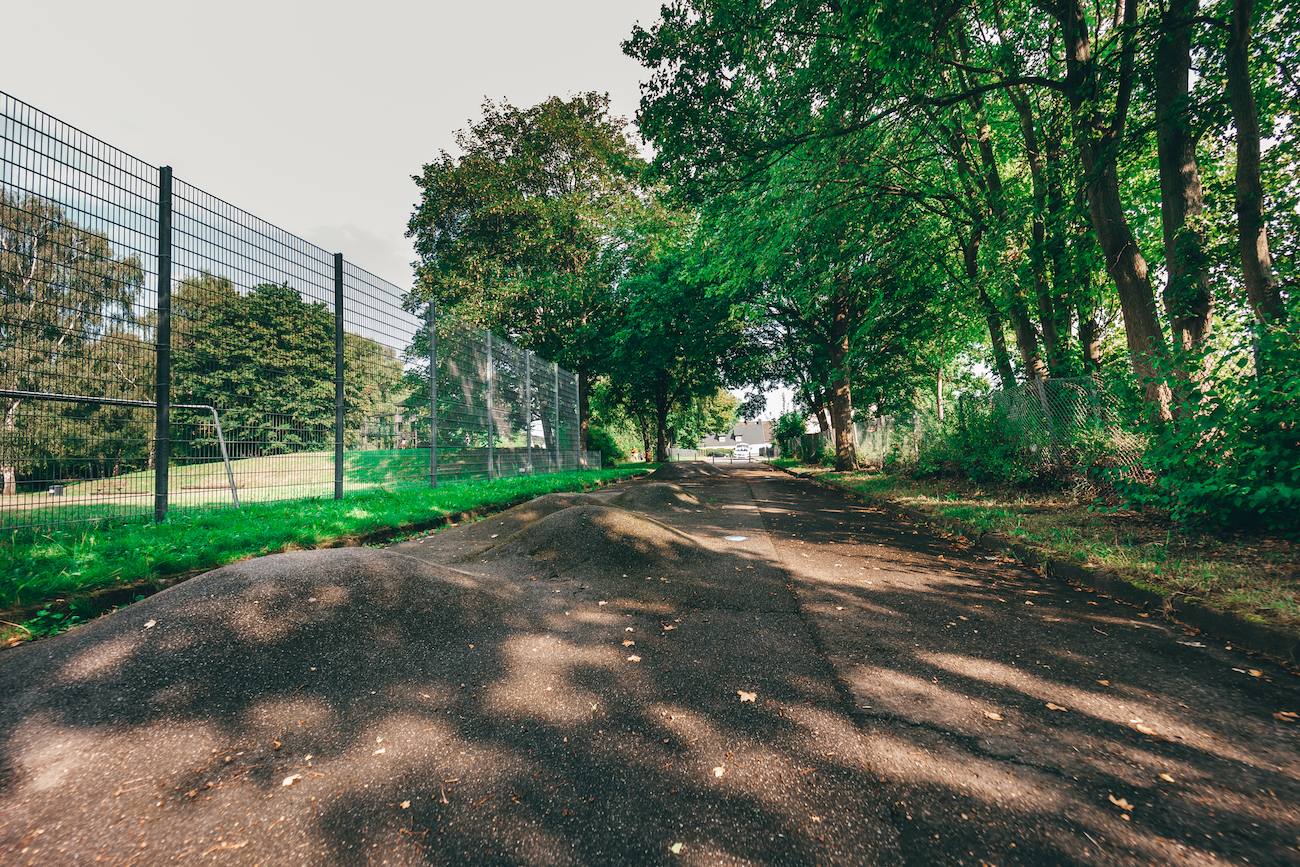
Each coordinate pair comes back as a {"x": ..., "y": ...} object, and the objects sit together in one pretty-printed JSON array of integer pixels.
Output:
[
  {"x": 1262, "y": 288},
  {"x": 662, "y": 404},
  {"x": 584, "y": 407},
  {"x": 846, "y": 450},
  {"x": 1097, "y": 143},
  {"x": 938, "y": 391},
  {"x": 1187, "y": 300},
  {"x": 9, "y": 472},
  {"x": 1089, "y": 337},
  {"x": 992, "y": 318},
  {"x": 1053, "y": 342}
]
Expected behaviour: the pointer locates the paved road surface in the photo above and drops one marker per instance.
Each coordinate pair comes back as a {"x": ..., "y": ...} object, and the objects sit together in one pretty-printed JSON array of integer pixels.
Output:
[{"x": 593, "y": 685}]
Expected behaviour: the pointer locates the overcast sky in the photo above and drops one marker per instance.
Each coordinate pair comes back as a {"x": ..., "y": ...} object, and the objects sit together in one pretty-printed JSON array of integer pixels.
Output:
[{"x": 310, "y": 115}]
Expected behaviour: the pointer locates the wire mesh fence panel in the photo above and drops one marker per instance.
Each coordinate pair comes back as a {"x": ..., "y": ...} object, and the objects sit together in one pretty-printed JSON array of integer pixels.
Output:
[
  {"x": 252, "y": 334},
  {"x": 77, "y": 287},
  {"x": 386, "y": 392},
  {"x": 256, "y": 367}
]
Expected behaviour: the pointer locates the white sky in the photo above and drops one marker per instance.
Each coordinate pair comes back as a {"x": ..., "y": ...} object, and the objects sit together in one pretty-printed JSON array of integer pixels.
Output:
[{"x": 311, "y": 115}]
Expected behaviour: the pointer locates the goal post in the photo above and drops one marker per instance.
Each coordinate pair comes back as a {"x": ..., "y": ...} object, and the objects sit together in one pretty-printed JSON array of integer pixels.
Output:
[{"x": 146, "y": 404}]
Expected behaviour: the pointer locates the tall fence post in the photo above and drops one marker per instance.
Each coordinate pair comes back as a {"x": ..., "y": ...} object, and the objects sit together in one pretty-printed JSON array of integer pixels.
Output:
[
  {"x": 555, "y": 372},
  {"x": 490, "y": 409},
  {"x": 433, "y": 395},
  {"x": 338, "y": 376},
  {"x": 528, "y": 403},
  {"x": 163, "y": 365}
]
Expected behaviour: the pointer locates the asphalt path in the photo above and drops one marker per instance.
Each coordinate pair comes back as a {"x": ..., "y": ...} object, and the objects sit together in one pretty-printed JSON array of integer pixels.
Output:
[{"x": 728, "y": 667}]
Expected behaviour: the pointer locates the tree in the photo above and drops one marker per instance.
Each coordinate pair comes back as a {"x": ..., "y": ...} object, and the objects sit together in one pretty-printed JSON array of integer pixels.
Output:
[
  {"x": 265, "y": 360},
  {"x": 677, "y": 334},
  {"x": 61, "y": 285},
  {"x": 515, "y": 235}
]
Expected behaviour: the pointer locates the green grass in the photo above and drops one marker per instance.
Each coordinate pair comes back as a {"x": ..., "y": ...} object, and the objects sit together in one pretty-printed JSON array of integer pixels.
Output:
[{"x": 39, "y": 565}]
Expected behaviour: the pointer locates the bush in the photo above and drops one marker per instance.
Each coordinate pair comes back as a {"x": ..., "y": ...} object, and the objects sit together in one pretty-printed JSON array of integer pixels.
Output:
[
  {"x": 600, "y": 440},
  {"x": 980, "y": 443},
  {"x": 1232, "y": 455}
]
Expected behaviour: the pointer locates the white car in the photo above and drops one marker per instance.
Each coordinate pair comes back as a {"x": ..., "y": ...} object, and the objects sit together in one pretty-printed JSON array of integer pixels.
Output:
[{"x": 742, "y": 452}]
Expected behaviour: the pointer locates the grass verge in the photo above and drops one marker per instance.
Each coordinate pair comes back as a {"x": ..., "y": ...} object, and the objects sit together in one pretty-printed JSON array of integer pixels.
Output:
[
  {"x": 87, "y": 568},
  {"x": 1256, "y": 577}
]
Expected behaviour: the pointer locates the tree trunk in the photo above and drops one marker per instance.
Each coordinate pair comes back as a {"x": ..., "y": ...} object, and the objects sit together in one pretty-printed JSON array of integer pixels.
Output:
[
  {"x": 9, "y": 472},
  {"x": 846, "y": 451},
  {"x": 584, "y": 407},
  {"x": 938, "y": 391},
  {"x": 1124, "y": 262},
  {"x": 662, "y": 404},
  {"x": 1089, "y": 338},
  {"x": 1187, "y": 301},
  {"x": 1053, "y": 343},
  {"x": 1262, "y": 288}
]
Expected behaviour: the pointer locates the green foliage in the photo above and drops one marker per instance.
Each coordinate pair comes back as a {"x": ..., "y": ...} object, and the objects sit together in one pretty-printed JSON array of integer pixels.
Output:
[
  {"x": 524, "y": 233},
  {"x": 600, "y": 440},
  {"x": 1231, "y": 457},
  {"x": 36, "y": 566},
  {"x": 789, "y": 426},
  {"x": 67, "y": 319},
  {"x": 266, "y": 361},
  {"x": 979, "y": 443}
]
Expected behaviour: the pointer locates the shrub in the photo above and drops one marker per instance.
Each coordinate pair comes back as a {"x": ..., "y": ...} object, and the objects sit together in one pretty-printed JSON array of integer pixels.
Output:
[
  {"x": 1232, "y": 454},
  {"x": 601, "y": 440}
]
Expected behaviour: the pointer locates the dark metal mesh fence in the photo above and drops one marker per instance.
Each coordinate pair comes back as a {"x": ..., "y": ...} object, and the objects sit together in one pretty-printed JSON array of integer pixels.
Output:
[{"x": 288, "y": 371}]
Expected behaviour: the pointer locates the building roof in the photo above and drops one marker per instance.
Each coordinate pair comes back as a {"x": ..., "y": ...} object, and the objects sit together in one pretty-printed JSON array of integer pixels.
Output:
[{"x": 755, "y": 433}]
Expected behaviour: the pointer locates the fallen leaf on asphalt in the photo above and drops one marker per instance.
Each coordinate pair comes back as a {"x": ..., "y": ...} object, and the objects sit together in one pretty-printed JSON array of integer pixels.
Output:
[
  {"x": 1255, "y": 672},
  {"x": 676, "y": 848},
  {"x": 151, "y": 624},
  {"x": 629, "y": 629},
  {"x": 406, "y": 805},
  {"x": 1122, "y": 803},
  {"x": 1051, "y": 706},
  {"x": 666, "y": 628},
  {"x": 379, "y": 752},
  {"x": 634, "y": 658},
  {"x": 719, "y": 771},
  {"x": 1287, "y": 716},
  {"x": 1027, "y": 602},
  {"x": 747, "y": 696},
  {"x": 602, "y": 602},
  {"x": 1192, "y": 643},
  {"x": 1145, "y": 730},
  {"x": 1166, "y": 778},
  {"x": 627, "y": 642},
  {"x": 996, "y": 717},
  {"x": 1104, "y": 682},
  {"x": 289, "y": 781}
]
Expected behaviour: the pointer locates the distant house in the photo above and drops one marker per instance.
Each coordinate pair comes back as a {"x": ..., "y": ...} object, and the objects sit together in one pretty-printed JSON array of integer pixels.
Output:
[{"x": 757, "y": 434}]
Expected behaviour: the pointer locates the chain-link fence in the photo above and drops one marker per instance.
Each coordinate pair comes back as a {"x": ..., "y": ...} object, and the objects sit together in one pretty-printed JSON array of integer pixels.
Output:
[{"x": 162, "y": 348}]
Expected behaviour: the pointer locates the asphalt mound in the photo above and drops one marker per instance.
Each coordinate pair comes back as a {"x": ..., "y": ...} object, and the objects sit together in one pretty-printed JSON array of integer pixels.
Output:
[
  {"x": 677, "y": 470},
  {"x": 276, "y": 625},
  {"x": 658, "y": 497},
  {"x": 604, "y": 539},
  {"x": 511, "y": 521}
]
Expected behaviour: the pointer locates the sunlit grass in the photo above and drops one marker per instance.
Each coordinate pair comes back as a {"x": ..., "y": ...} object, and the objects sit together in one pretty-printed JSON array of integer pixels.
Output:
[{"x": 36, "y": 565}]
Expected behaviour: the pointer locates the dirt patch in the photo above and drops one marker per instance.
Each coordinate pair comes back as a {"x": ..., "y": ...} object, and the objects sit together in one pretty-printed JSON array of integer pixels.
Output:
[
  {"x": 604, "y": 538},
  {"x": 658, "y": 497},
  {"x": 511, "y": 521},
  {"x": 677, "y": 470}
]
